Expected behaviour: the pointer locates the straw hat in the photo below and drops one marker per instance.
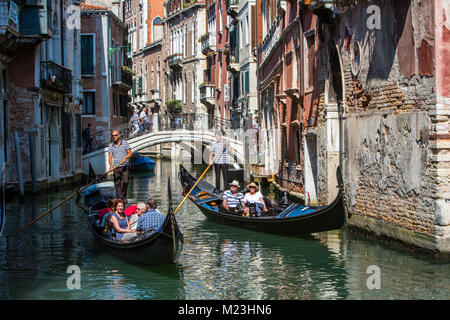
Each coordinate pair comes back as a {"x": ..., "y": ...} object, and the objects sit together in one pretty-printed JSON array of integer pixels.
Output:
[
  {"x": 235, "y": 183},
  {"x": 252, "y": 184}
]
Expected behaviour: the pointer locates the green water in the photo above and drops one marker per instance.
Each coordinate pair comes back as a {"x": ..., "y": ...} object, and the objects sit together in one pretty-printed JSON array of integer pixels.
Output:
[{"x": 217, "y": 261}]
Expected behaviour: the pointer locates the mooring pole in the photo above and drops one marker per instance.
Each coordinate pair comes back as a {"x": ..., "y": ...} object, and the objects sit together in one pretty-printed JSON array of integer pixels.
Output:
[
  {"x": 32, "y": 163},
  {"x": 19, "y": 165}
]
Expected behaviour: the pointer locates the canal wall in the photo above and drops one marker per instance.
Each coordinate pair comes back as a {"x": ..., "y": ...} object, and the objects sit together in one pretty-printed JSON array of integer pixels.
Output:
[{"x": 395, "y": 121}]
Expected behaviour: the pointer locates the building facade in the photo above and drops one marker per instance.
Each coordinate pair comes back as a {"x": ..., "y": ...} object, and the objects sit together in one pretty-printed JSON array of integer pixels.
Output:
[
  {"x": 145, "y": 23},
  {"x": 40, "y": 93},
  {"x": 288, "y": 95},
  {"x": 107, "y": 78},
  {"x": 362, "y": 85},
  {"x": 387, "y": 70},
  {"x": 185, "y": 22}
]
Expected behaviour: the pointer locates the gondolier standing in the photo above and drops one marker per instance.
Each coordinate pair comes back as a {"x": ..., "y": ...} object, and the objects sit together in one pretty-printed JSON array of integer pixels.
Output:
[
  {"x": 218, "y": 153},
  {"x": 119, "y": 155}
]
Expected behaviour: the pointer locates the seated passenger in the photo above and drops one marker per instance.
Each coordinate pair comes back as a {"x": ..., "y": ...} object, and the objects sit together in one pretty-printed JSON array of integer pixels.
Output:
[
  {"x": 140, "y": 210},
  {"x": 104, "y": 213},
  {"x": 151, "y": 219},
  {"x": 232, "y": 198},
  {"x": 131, "y": 213},
  {"x": 254, "y": 197},
  {"x": 119, "y": 223}
]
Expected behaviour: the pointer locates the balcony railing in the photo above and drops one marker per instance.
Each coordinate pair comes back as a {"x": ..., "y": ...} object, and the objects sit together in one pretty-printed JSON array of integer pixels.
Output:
[
  {"x": 156, "y": 96},
  {"x": 271, "y": 38},
  {"x": 207, "y": 94},
  {"x": 232, "y": 7},
  {"x": 234, "y": 66},
  {"x": 55, "y": 77},
  {"x": 207, "y": 44},
  {"x": 175, "y": 61},
  {"x": 122, "y": 78},
  {"x": 9, "y": 18}
]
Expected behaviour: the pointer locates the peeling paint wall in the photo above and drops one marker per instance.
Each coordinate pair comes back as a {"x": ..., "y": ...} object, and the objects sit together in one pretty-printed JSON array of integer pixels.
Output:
[{"x": 396, "y": 122}]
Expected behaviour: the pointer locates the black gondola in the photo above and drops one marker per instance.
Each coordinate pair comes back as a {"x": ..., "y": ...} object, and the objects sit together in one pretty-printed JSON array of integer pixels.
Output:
[
  {"x": 286, "y": 219},
  {"x": 150, "y": 249}
]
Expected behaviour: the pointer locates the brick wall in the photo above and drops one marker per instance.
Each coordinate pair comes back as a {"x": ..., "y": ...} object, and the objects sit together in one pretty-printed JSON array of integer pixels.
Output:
[{"x": 389, "y": 172}]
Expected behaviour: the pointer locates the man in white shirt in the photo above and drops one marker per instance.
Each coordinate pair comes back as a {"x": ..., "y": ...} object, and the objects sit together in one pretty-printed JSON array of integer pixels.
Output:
[{"x": 143, "y": 119}]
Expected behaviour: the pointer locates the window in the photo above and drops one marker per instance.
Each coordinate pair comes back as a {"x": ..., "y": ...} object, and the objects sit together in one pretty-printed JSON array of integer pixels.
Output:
[
  {"x": 123, "y": 105},
  {"x": 87, "y": 54},
  {"x": 247, "y": 30},
  {"x": 115, "y": 107},
  {"x": 65, "y": 127},
  {"x": 88, "y": 103},
  {"x": 310, "y": 61}
]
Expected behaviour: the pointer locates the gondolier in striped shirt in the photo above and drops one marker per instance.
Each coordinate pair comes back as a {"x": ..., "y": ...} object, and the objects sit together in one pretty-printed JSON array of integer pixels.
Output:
[
  {"x": 119, "y": 155},
  {"x": 219, "y": 158}
]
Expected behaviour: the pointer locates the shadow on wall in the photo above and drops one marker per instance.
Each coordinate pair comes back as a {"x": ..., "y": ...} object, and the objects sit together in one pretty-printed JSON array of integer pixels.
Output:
[
  {"x": 382, "y": 41},
  {"x": 393, "y": 19}
]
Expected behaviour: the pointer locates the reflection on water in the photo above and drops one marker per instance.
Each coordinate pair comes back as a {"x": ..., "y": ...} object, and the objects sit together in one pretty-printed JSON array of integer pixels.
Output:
[{"x": 217, "y": 261}]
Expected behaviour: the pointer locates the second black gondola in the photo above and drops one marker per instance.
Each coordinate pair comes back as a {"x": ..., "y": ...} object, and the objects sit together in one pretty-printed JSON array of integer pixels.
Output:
[{"x": 294, "y": 219}]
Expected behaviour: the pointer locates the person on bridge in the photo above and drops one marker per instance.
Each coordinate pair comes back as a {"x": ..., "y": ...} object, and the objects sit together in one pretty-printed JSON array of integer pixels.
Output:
[
  {"x": 135, "y": 122},
  {"x": 119, "y": 155},
  {"x": 218, "y": 157}
]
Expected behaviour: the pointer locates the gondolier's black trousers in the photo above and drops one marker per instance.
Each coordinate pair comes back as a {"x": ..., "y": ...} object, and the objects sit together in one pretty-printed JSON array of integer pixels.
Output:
[
  {"x": 224, "y": 168},
  {"x": 121, "y": 176}
]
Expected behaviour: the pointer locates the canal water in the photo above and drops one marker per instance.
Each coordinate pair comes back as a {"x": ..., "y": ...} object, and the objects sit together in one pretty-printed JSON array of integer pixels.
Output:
[{"x": 217, "y": 261}]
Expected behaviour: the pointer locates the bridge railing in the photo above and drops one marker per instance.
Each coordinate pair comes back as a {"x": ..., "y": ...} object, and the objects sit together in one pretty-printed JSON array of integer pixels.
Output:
[{"x": 165, "y": 122}]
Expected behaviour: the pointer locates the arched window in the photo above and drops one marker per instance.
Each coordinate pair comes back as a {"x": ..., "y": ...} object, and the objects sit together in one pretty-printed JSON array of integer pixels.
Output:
[{"x": 157, "y": 28}]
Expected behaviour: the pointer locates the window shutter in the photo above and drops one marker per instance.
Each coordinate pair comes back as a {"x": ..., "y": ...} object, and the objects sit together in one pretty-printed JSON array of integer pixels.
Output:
[
  {"x": 247, "y": 89},
  {"x": 87, "y": 55}
]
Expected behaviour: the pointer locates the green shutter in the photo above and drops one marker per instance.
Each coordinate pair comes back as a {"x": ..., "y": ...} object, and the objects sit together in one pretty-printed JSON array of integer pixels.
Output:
[
  {"x": 140, "y": 85},
  {"x": 87, "y": 54},
  {"x": 133, "y": 88},
  {"x": 247, "y": 86}
]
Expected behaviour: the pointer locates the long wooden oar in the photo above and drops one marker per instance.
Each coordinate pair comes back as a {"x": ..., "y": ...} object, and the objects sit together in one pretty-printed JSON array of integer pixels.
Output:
[
  {"x": 64, "y": 201},
  {"x": 198, "y": 180}
]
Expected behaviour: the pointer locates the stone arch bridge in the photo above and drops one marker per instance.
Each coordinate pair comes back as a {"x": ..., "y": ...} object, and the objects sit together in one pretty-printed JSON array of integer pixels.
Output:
[{"x": 192, "y": 141}]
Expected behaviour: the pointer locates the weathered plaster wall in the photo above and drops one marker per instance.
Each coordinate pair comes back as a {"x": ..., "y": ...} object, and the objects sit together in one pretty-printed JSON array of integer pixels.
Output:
[{"x": 393, "y": 181}]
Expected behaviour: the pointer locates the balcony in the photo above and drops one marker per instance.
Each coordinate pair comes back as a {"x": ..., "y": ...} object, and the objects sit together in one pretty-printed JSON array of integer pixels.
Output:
[
  {"x": 232, "y": 8},
  {"x": 293, "y": 93},
  {"x": 207, "y": 94},
  {"x": 281, "y": 6},
  {"x": 122, "y": 78},
  {"x": 9, "y": 18},
  {"x": 234, "y": 66},
  {"x": 174, "y": 61},
  {"x": 208, "y": 44},
  {"x": 272, "y": 37},
  {"x": 156, "y": 96},
  {"x": 55, "y": 77}
]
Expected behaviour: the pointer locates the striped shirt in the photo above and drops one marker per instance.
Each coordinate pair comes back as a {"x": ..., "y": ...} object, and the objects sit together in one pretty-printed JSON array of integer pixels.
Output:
[
  {"x": 151, "y": 219},
  {"x": 233, "y": 200},
  {"x": 119, "y": 152},
  {"x": 219, "y": 156}
]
